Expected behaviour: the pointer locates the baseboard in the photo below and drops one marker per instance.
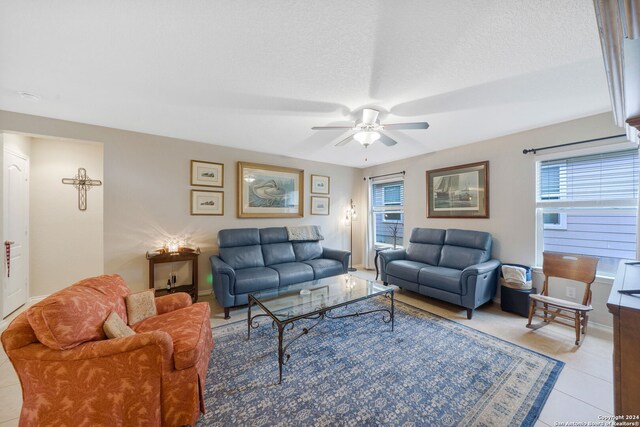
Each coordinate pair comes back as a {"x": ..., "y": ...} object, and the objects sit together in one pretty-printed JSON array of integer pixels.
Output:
[
  {"x": 3, "y": 325},
  {"x": 205, "y": 292}
]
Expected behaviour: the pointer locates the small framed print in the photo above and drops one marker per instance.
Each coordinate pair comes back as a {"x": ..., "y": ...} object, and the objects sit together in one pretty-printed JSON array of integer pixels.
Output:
[
  {"x": 320, "y": 184},
  {"x": 205, "y": 202},
  {"x": 320, "y": 205},
  {"x": 207, "y": 174}
]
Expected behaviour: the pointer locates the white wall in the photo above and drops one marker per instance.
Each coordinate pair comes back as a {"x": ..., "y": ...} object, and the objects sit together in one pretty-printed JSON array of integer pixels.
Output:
[
  {"x": 66, "y": 243},
  {"x": 19, "y": 144},
  {"x": 147, "y": 200},
  {"x": 146, "y": 193},
  {"x": 512, "y": 189}
]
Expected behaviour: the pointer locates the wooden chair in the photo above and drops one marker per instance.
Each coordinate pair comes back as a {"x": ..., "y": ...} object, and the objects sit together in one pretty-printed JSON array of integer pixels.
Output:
[{"x": 581, "y": 268}]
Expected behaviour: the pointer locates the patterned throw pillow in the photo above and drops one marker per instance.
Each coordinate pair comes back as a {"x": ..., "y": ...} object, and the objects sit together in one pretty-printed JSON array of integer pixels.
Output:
[
  {"x": 140, "y": 306},
  {"x": 114, "y": 327}
]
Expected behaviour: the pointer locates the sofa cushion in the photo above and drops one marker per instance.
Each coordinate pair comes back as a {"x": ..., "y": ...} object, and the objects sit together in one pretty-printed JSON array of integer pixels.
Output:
[
  {"x": 243, "y": 256},
  {"x": 464, "y": 248},
  {"x": 273, "y": 235},
  {"x": 255, "y": 279},
  {"x": 233, "y": 237},
  {"x": 431, "y": 236},
  {"x": 278, "y": 253},
  {"x": 76, "y": 314},
  {"x": 460, "y": 258},
  {"x": 424, "y": 253},
  {"x": 186, "y": 327},
  {"x": 469, "y": 239},
  {"x": 305, "y": 251},
  {"x": 293, "y": 272},
  {"x": 405, "y": 269},
  {"x": 425, "y": 245},
  {"x": 141, "y": 305},
  {"x": 446, "y": 279},
  {"x": 324, "y": 267}
]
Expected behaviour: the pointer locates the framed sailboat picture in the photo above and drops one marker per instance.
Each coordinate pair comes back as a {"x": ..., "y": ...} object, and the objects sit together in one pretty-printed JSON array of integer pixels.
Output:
[
  {"x": 266, "y": 191},
  {"x": 458, "y": 191}
]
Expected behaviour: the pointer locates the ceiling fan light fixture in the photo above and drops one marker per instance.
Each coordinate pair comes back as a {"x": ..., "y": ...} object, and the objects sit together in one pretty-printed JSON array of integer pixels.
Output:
[{"x": 366, "y": 138}]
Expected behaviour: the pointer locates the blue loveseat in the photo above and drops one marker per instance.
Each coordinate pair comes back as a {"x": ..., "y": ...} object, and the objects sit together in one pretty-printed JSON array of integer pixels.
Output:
[
  {"x": 252, "y": 260},
  {"x": 451, "y": 265}
]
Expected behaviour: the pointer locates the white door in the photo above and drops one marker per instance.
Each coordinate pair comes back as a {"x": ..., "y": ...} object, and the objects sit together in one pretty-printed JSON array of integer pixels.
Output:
[{"x": 16, "y": 222}]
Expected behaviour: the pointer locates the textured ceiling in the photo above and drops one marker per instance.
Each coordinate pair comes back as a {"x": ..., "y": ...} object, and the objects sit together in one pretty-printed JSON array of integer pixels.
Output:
[{"x": 259, "y": 75}]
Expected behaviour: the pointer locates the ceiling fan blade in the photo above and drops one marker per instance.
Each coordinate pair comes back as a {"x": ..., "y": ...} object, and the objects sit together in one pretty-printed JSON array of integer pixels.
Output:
[
  {"x": 369, "y": 116},
  {"x": 331, "y": 127},
  {"x": 417, "y": 125},
  {"x": 344, "y": 141},
  {"x": 387, "y": 141}
]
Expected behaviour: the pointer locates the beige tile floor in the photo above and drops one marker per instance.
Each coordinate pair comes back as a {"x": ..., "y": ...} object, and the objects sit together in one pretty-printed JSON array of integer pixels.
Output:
[{"x": 583, "y": 392}]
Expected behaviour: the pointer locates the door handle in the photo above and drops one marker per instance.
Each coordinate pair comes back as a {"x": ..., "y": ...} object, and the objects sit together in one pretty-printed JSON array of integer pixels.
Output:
[{"x": 7, "y": 251}]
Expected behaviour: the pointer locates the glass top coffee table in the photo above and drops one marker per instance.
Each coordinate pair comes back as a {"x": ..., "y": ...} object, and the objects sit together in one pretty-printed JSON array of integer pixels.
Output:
[{"x": 315, "y": 300}]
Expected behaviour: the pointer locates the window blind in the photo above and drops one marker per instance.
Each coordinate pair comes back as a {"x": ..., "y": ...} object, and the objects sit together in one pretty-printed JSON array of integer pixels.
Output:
[
  {"x": 388, "y": 195},
  {"x": 609, "y": 179},
  {"x": 588, "y": 205}
]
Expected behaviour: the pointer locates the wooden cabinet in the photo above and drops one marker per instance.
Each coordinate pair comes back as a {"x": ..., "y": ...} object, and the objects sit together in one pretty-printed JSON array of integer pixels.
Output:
[
  {"x": 192, "y": 288},
  {"x": 626, "y": 340}
]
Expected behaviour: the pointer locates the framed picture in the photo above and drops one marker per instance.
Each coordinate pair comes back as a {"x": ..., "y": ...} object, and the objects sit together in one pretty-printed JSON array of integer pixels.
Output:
[
  {"x": 458, "y": 191},
  {"x": 207, "y": 174},
  {"x": 320, "y": 205},
  {"x": 266, "y": 191},
  {"x": 205, "y": 202},
  {"x": 320, "y": 184}
]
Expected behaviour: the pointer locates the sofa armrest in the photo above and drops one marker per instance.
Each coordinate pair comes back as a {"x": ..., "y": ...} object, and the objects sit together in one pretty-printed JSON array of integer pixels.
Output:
[
  {"x": 479, "y": 283},
  {"x": 338, "y": 255},
  {"x": 392, "y": 255},
  {"x": 223, "y": 278},
  {"x": 158, "y": 342},
  {"x": 478, "y": 269},
  {"x": 218, "y": 266},
  {"x": 386, "y": 257},
  {"x": 172, "y": 302}
]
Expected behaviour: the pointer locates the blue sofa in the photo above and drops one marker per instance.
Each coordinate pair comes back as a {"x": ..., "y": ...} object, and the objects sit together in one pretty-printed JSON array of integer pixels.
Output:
[
  {"x": 252, "y": 260},
  {"x": 451, "y": 265}
]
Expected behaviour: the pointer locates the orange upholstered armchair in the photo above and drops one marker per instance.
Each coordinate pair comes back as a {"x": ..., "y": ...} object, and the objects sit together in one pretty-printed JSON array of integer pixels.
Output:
[{"x": 72, "y": 375}]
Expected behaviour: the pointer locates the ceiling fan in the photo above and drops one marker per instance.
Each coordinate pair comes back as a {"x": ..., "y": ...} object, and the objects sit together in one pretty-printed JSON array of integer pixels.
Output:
[{"x": 369, "y": 130}]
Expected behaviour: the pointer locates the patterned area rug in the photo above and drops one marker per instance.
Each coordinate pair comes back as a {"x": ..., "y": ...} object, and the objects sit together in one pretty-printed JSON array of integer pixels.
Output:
[{"x": 355, "y": 371}]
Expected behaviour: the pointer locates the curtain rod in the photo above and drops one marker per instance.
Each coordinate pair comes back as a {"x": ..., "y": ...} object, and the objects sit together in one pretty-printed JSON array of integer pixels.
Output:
[
  {"x": 535, "y": 150},
  {"x": 386, "y": 174}
]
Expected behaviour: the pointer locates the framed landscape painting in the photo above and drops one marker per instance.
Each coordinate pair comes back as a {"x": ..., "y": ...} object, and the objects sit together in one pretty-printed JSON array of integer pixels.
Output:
[
  {"x": 266, "y": 191},
  {"x": 459, "y": 191},
  {"x": 207, "y": 174},
  {"x": 320, "y": 184},
  {"x": 207, "y": 202},
  {"x": 320, "y": 205}
]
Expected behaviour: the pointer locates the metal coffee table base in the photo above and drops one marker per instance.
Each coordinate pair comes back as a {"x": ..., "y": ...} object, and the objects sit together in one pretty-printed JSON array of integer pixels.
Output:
[{"x": 318, "y": 315}]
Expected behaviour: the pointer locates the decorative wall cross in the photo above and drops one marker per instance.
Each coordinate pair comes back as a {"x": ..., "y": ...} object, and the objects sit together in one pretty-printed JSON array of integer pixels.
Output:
[{"x": 82, "y": 183}]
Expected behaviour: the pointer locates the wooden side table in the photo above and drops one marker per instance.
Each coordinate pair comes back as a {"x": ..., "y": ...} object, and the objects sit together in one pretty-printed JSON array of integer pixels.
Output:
[
  {"x": 375, "y": 259},
  {"x": 192, "y": 288}
]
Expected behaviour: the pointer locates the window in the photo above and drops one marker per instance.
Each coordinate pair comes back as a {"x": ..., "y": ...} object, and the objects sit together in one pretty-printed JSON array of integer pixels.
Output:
[
  {"x": 589, "y": 205},
  {"x": 387, "y": 210}
]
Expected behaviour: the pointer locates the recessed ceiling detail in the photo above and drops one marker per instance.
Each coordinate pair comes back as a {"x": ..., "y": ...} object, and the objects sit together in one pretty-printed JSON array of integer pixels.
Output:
[{"x": 204, "y": 71}]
